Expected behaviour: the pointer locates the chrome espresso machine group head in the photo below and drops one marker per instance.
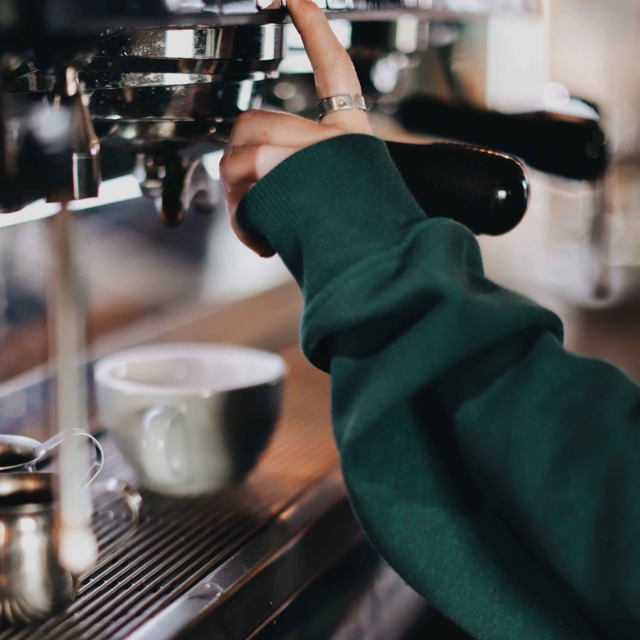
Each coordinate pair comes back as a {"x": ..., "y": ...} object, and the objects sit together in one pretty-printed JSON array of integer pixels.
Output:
[{"x": 161, "y": 80}]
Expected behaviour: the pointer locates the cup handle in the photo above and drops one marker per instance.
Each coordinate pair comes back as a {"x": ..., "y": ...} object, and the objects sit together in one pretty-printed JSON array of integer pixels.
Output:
[
  {"x": 98, "y": 461},
  {"x": 164, "y": 462},
  {"x": 133, "y": 502}
]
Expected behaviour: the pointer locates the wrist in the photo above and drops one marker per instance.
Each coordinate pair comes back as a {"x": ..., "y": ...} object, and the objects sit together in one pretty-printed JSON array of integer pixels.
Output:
[{"x": 329, "y": 207}]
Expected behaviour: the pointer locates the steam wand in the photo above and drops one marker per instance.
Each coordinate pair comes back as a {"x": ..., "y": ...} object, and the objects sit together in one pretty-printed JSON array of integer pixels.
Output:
[
  {"x": 78, "y": 546},
  {"x": 77, "y": 176}
]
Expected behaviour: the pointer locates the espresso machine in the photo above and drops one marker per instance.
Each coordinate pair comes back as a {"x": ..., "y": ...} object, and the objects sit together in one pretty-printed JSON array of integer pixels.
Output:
[
  {"x": 159, "y": 83},
  {"x": 91, "y": 89}
]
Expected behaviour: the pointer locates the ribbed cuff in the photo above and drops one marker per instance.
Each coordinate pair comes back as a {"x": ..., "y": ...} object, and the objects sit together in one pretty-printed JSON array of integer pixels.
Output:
[{"x": 330, "y": 206}]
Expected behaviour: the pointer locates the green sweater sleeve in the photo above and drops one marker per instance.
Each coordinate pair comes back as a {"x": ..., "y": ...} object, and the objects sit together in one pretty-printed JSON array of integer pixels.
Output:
[{"x": 497, "y": 473}]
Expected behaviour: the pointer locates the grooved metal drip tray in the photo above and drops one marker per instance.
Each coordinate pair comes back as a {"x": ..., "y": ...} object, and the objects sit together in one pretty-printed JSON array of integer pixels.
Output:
[{"x": 193, "y": 561}]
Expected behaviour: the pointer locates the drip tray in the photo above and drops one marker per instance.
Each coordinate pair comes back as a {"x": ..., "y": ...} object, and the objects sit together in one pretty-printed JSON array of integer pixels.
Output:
[{"x": 227, "y": 562}]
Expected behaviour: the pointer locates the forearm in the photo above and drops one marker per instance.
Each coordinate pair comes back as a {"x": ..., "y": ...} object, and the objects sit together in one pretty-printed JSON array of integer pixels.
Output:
[
  {"x": 447, "y": 402},
  {"x": 564, "y": 470},
  {"x": 468, "y": 415}
]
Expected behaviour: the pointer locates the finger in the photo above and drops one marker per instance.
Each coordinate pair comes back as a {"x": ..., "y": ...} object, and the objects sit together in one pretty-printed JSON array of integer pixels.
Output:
[
  {"x": 278, "y": 129},
  {"x": 332, "y": 67},
  {"x": 250, "y": 163}
]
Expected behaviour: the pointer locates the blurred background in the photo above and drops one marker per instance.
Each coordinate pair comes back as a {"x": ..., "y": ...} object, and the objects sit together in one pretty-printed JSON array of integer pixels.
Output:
[
  {"x": 486, "y": 80},
  {"x": 577, "y": 250}
]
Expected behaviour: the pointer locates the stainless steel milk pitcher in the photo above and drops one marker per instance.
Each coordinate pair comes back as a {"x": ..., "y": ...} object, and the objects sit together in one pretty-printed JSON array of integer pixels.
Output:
[
  {"x": 19, "y": 454},
  {"x": 33, "y": 583}
]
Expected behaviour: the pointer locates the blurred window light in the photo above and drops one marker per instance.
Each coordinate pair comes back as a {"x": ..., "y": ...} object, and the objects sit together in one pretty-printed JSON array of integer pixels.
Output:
[
  {"x": 555, "y": 95},
  {"x": 407, "y": 33},
  {"x": 296, "y": 60},
  {"x": 211, "y": 162},
  {"x": 472, "y": 6},
  {"x": 284, "y": 90},
  {"x": 341, "y": 28},
  {"x": 245, "y": 95},
  {"x": 269, "y": 39},
  {"x": 178, "y": 78},
  {"x": 384, "y": 75},
  {"x": 240, "y": 7},
  {"x": 185, "y": 5},
  {"x": 292, "y": 37},
  {"x": 111, "y": 191},
  {"x": 35, "y": 211},
  {"x": 27, "y": 525}
]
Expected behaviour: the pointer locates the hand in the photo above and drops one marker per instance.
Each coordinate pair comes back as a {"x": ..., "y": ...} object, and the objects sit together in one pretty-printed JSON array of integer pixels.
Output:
[{"x": 261, "y": 140}]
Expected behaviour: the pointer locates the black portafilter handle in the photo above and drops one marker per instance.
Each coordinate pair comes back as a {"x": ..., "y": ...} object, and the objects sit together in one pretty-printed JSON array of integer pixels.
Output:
[
  {"x": 566, "y": 146},
  {"x": 486, "y": 191}
]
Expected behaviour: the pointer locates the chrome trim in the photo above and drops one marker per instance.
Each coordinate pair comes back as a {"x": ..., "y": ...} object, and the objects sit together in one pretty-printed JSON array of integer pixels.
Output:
[
  {"x": 237, "y": 12},
  {"x": 174, "y": 103},
  {"x": 150, "y": 135},
  {"x": 303, "y": 541},
  {"x": 180, "y": 542},
  {"x": 249, "y": 42}
]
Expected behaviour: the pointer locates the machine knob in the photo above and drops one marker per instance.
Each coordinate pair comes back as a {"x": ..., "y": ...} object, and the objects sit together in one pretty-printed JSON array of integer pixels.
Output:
[
  {"x": 486, "y": 191},
  {"x": 562, "y": 145}
]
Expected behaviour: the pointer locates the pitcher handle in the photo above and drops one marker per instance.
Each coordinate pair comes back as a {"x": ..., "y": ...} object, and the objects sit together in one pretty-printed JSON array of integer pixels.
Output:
[
  {"x": 98, "y": 461},
  {"x": 133, "y": 502}
]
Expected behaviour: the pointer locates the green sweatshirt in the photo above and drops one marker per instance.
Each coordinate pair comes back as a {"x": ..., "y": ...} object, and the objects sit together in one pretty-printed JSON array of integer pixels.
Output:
[{"x": 496, "y": 472}]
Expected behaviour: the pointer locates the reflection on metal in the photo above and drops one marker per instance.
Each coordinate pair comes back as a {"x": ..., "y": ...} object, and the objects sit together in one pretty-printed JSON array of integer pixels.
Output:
[
  {"x": 78, "y": 17},
  {"x": 165, "y": 75},
  {"x": 161, "y": 57},
  {"x": 253, "y": 11},
  {"x": 170, "y": 49},
  {"x": 158, "y": 91},
  {"x": 176, "y": 102},
  {"x": 78, "y": 168},
  {"x": 33, "y": 583},
  {"x": 111, "y": 191},
  {"x": 267, "y": 572},
  {"x": 180, "y": 543},
  {"x": 386, "y": 609}
]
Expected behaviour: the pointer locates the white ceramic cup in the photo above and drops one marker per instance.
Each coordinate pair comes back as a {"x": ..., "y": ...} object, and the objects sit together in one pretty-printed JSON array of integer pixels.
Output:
[{"x": 190, "y": 418}]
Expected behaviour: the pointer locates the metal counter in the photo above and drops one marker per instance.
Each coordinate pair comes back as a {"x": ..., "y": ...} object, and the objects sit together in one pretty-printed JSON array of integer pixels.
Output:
[{"x": 192, "y": 559}]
